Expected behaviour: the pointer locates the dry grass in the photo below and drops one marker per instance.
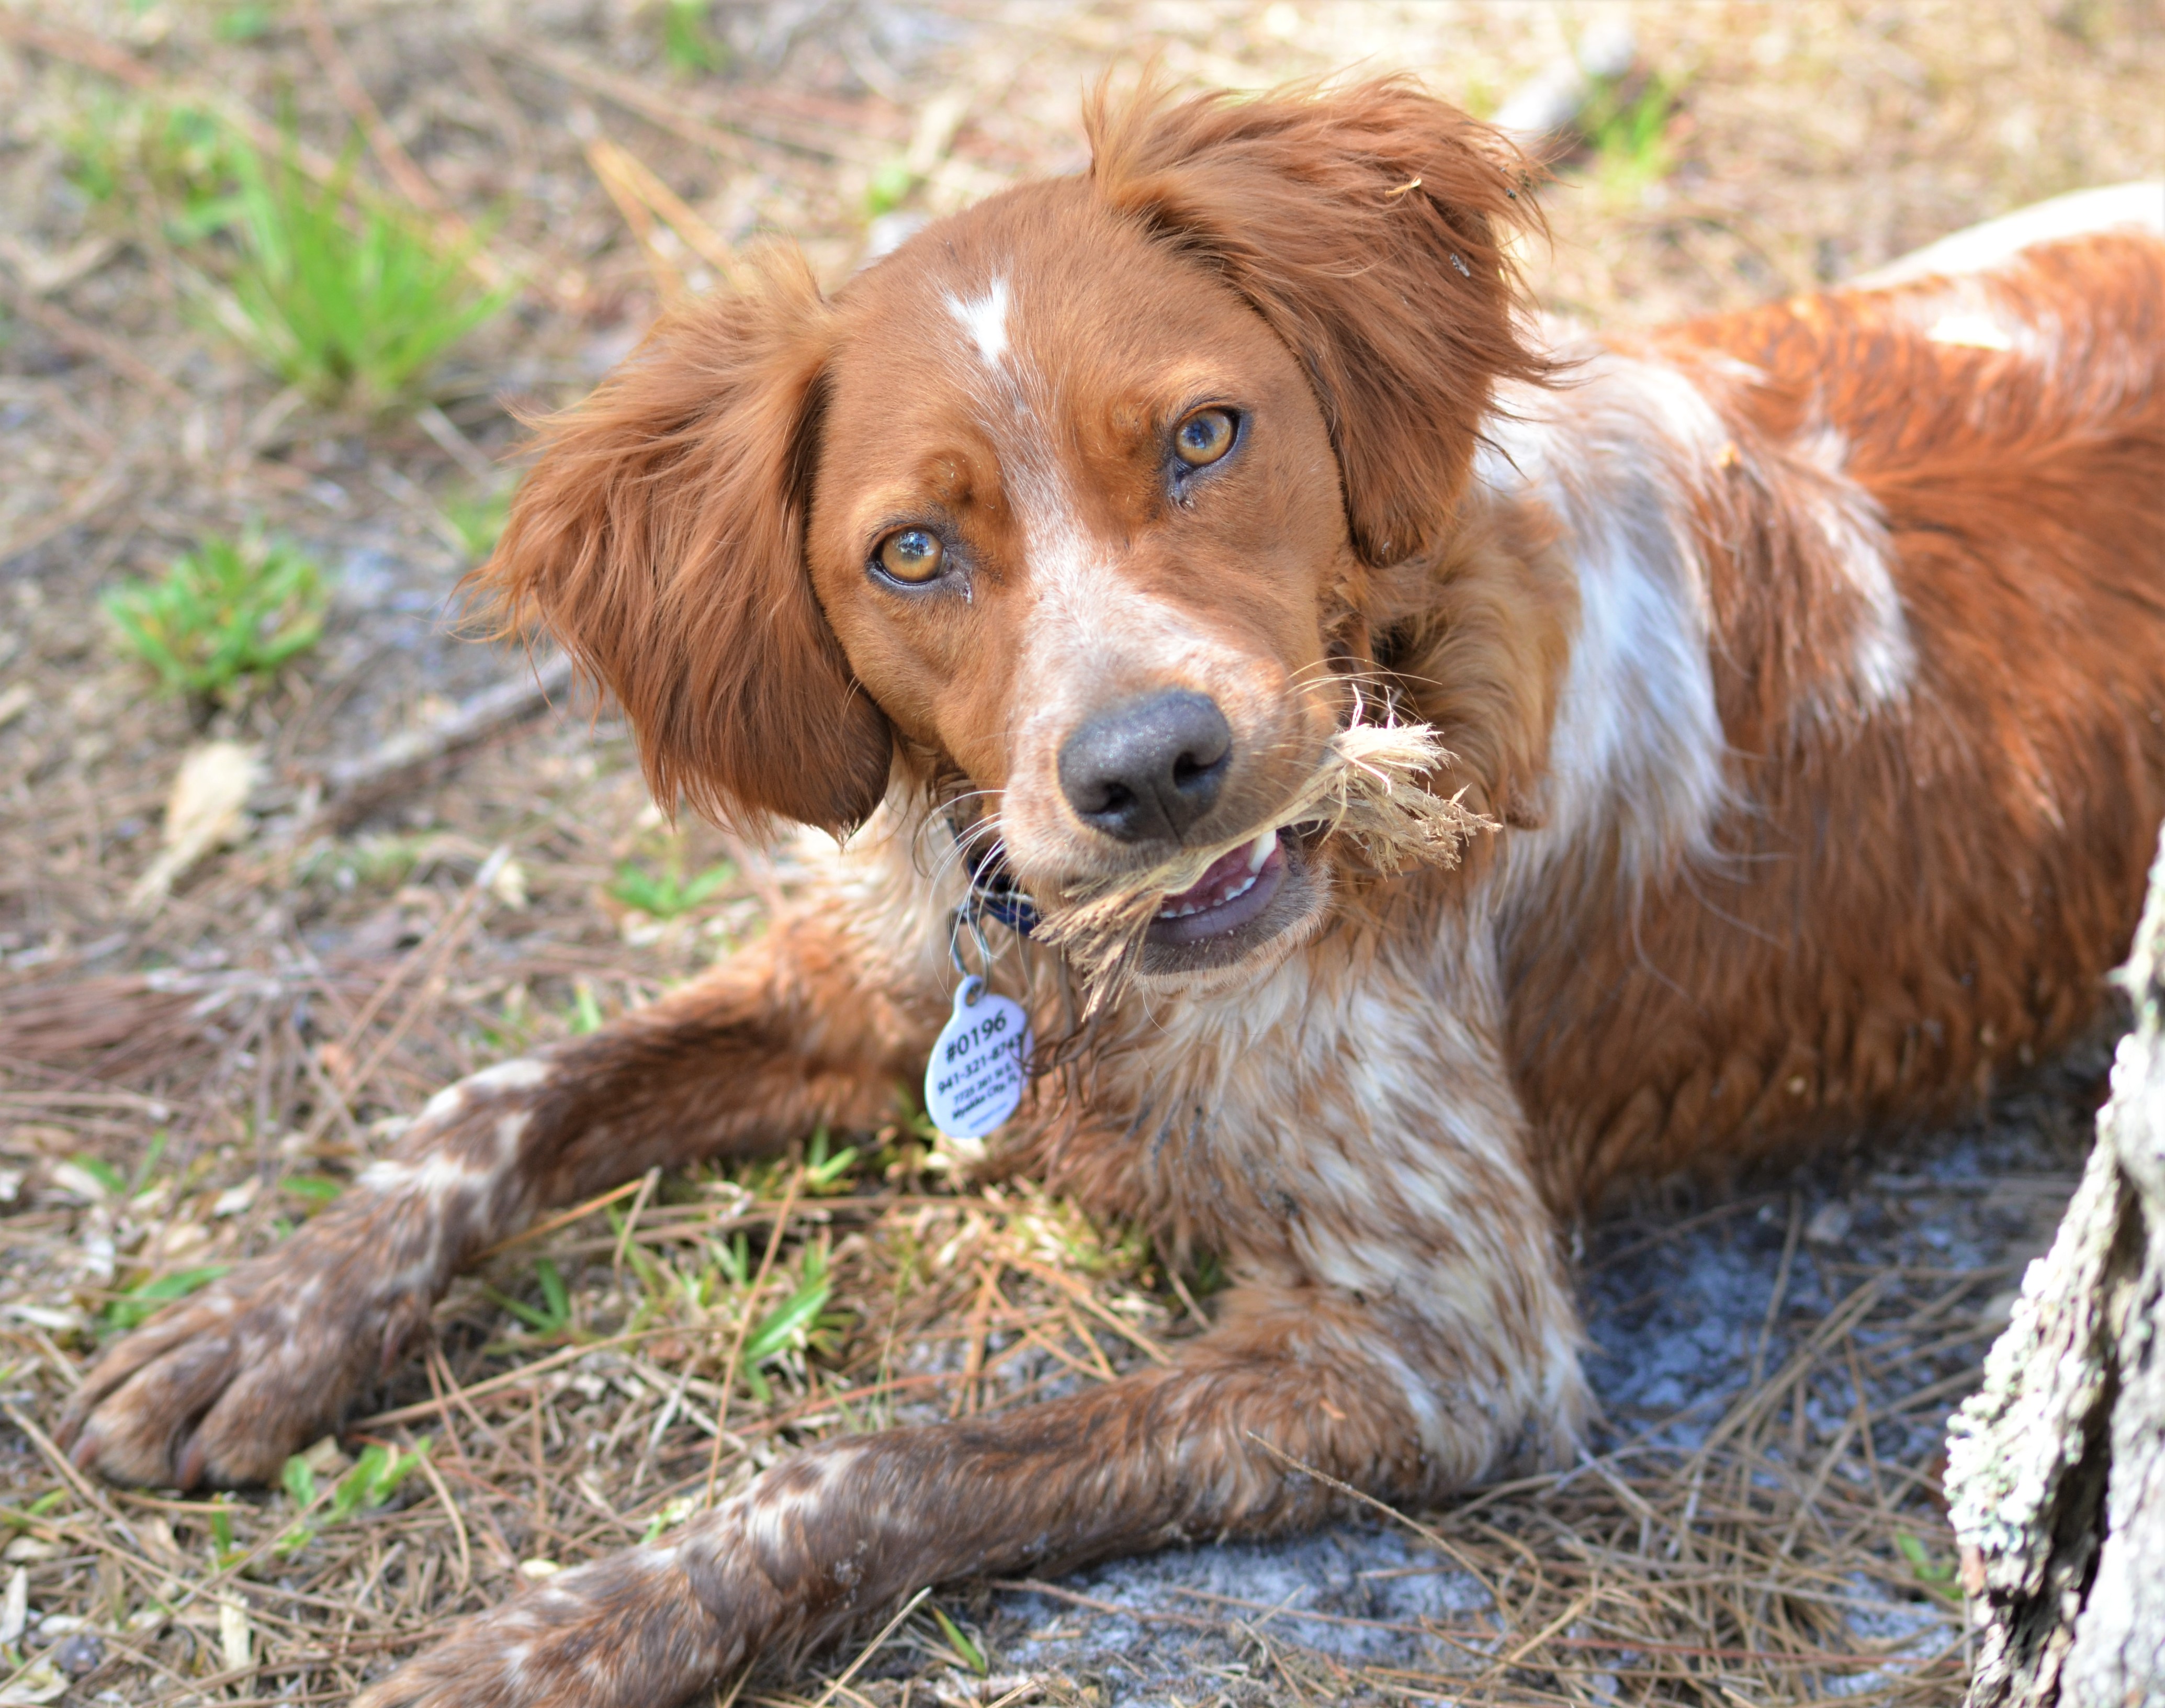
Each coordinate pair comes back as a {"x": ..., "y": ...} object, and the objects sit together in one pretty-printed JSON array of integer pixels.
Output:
[{"x": 177, "y": 1090}]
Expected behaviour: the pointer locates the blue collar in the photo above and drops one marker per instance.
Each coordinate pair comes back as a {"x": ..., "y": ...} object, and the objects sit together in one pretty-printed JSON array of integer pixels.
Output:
[{"x": 993, "y": 891}]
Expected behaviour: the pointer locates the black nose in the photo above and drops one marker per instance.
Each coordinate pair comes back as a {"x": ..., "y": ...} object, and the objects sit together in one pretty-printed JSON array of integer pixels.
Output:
[{"x": 1147, "y": 770}]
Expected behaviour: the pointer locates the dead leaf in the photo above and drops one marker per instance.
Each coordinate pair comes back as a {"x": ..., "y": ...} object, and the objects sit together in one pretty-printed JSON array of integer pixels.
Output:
[
  {"x": 233, "y": 1634},
  {"x": 207, "y": 808}
]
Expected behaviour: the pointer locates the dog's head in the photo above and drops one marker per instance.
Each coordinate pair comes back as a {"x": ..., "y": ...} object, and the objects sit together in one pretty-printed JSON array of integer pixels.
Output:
[{"x": 1073, "y": 507}]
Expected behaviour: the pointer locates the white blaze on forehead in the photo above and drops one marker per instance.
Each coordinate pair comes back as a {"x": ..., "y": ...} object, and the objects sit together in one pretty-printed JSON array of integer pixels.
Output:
[
  {"x": 1088, "y": 627},
  {"x": 985, "y": 319}
]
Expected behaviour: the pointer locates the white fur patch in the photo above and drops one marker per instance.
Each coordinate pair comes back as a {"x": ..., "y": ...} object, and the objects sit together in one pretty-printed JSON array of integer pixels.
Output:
[
  {"x": 1638, "y": 742},
  {"x": 1365, "y": 1109},
  {"x": 773, "y": 1510},
  {"x": 446, "y": 1104},
  {"x": 509, "y": 1129},
  {"x": 985, "y": 319},
  {"x": 1421, "y": 1396},
  {"x": 1883, "y": 655},
  {"x": 385, "y": 1177},
  {"x": 520, "y": 1074},
  {"x": 1973, "y": 331},
  {"x": 433, "y": 1176}
]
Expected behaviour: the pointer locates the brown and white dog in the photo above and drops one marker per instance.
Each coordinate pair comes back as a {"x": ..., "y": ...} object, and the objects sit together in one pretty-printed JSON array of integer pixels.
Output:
[{"x": 1808, "y": 666}]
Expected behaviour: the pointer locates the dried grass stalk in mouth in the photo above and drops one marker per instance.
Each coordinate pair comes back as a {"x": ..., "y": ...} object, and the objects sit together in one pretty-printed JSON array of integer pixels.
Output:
[{"x": 1368, "y": 790}]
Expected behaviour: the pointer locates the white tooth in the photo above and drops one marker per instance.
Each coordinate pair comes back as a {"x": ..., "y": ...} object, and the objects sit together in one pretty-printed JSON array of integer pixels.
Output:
[{"x": 1259, "y": 852}]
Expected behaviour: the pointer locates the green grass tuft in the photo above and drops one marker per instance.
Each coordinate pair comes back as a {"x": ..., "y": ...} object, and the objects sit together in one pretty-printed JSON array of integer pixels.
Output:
[
  {"x": 354, "y": 309},
  {"x": 670, "y": 893},
  {"x": 351, "y": 301},
  {"x": 554, "y": 1315},
  {"x": 1631, "y": 135},
  {"x": 373, "y": 1479},
  {"x": 972, "y": 1656},
  {"x": 225, "y": 612},
  {"x": 244, "y": 22},
  {"x": 890, "y": 185},
  {"x": 478, "y": 520},
  {"x": 156, "y": 162},
  {"x": 143, "y": 1302},
  {"x": 686, "y": 42}
]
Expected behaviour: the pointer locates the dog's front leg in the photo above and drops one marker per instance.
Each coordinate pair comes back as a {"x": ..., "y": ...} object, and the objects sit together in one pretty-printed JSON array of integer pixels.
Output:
[
  {"x": 222, "y": 1386},
  {"x": 1400, "y": 1399}
]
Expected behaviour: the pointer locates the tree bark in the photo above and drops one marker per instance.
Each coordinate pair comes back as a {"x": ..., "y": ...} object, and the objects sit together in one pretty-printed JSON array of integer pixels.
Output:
[{"x": 2056, "y": 1468}]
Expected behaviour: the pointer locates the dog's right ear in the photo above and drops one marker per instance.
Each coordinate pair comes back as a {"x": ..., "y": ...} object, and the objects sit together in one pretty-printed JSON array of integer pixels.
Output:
[
  {"x": 1368, "y": 223},
  {"x": 660, "y": 538}
]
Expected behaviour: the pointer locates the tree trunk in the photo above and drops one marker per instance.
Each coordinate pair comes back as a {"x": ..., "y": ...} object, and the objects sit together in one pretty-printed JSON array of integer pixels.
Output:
[{"x": 2056, "y": 1469}]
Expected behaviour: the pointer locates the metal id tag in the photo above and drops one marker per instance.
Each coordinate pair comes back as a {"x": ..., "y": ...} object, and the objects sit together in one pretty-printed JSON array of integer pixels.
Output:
[{"x": 977, "y": 1071}]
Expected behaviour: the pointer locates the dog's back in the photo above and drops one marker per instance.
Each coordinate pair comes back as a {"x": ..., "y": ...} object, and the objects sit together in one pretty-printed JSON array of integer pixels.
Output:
[{"x": 1932, "y": 526}]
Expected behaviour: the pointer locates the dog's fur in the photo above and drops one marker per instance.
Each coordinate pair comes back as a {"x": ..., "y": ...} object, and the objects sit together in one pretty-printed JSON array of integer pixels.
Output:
[{"x": 1807, "y": 665}]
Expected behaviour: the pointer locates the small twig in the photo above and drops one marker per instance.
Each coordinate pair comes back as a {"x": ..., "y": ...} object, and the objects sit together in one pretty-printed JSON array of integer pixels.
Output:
[
  {"x": 601, "y": 155},
  {"x": 450, "y": 1511},
  {"x": 1032, "y": 1586},
  {"x": 974, "y": 1351},
  {"x": 737, "y": 1689},
  {"x": 1090, "y": 1302},
  {"x": 647, "y": 1182},
  {"x": 353, "y": 95},
  {"x": 1555, "y": 1627},
  {"x": 1287, "y": 1609},
  {"x": 743, "y": 1330},
  {"x": 1781, "y": 1287},
  {"x": 92, "y": 495},
  {"x": 1389, "y": 1511},
  {"x": 873, "y": 1647},
  {"x": 578, "y": 1212},
  {"x": 669, "y": 114},
  {"x": 1187, "y": 1298},
  {"x": 444, "y": 1385},
  {"x": 440, "y": 946},
  {"x": 65, "y": 1467},
  {"x": 64, "y": 328},
  {"x": 356, "y": 785},
  {"x": 431, "y": 419},
  {"x": 620, "y": 170},
  {"x": 513, "y": 1378}
]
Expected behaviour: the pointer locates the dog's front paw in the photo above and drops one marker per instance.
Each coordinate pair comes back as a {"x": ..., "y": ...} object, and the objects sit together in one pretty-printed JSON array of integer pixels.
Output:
[
  {"x": 221, "y": 1387},
  {"x": 627, "y": 1631}
]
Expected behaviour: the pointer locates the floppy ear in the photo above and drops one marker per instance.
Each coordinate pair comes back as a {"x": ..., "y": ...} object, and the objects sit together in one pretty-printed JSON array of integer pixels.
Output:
[
  {"x": 1361, "y": 223},
  {"x": 660, "y": 538}
]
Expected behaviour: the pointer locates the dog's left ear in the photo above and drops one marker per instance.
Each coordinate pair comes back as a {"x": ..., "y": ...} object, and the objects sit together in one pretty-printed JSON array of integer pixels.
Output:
[
  {"x": 1363, "y": 223},
  {"x": 660, "y": 538}
]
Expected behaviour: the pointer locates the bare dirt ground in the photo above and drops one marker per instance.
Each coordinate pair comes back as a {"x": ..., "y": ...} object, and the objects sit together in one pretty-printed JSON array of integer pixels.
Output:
[{"x": 185, "y": 1077}]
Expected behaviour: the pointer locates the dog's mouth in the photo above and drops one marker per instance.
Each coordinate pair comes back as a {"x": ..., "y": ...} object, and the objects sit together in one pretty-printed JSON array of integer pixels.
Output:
[
  {"x": 1233, "y": 892},
  {"x": 1197, "y": 912}
]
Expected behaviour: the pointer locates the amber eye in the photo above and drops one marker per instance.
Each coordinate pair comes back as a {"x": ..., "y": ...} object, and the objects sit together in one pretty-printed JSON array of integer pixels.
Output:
[
  {"x": 911, "y": 555},
  {"x": 1203, "y": 437}
]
